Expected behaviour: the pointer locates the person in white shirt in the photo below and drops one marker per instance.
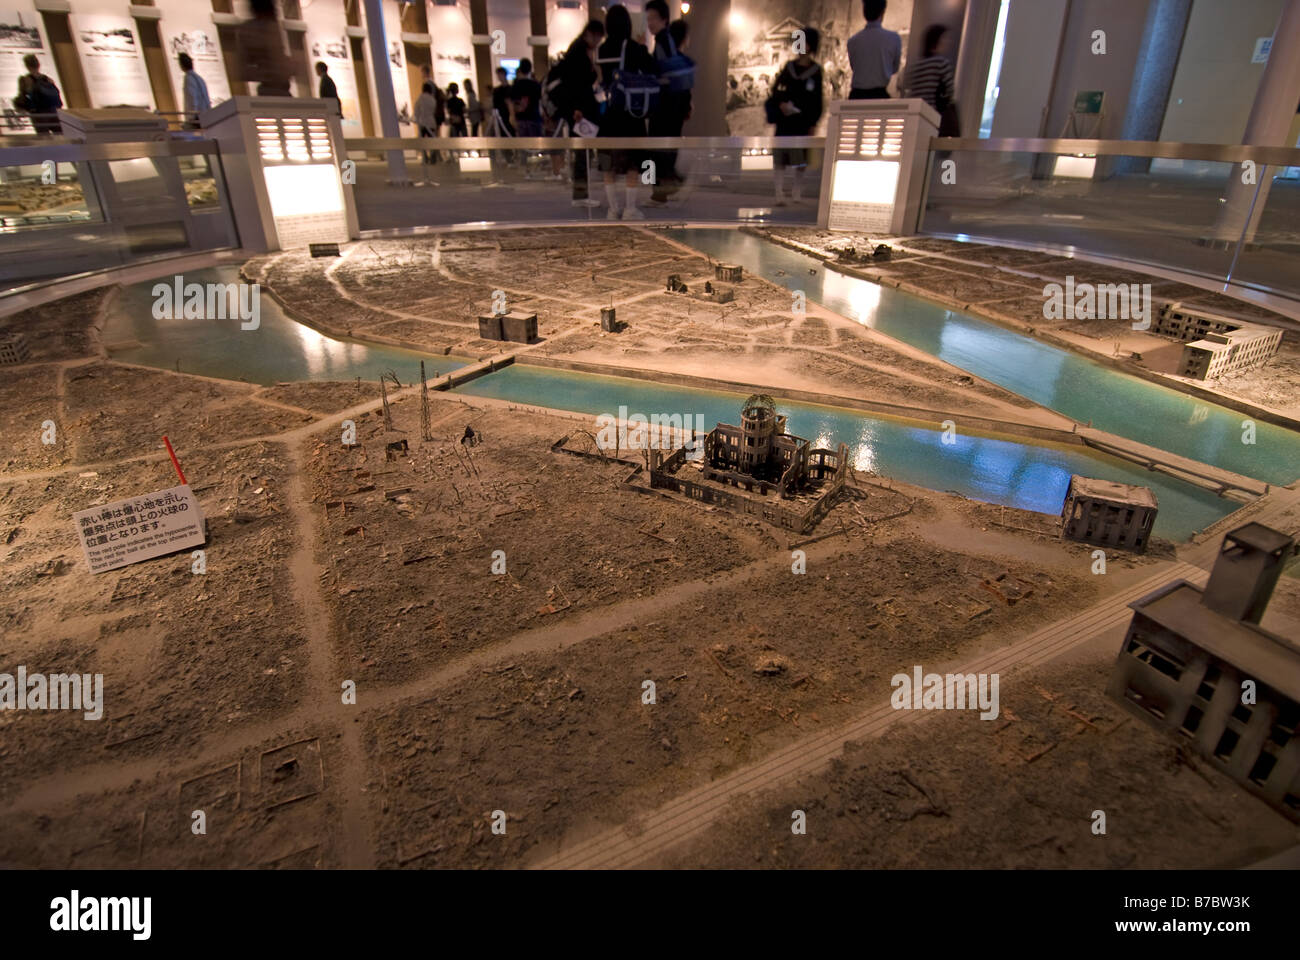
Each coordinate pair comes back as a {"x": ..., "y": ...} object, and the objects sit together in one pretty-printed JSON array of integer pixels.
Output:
[
  {"x": 874, "y": 54},
  {"x": 195, "y": 91}
]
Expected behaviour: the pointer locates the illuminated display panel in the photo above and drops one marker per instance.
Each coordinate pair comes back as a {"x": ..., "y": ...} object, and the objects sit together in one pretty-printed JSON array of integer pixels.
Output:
[
  {"x": 862, "y": 194},
  {"x": 307, "y": 203}
]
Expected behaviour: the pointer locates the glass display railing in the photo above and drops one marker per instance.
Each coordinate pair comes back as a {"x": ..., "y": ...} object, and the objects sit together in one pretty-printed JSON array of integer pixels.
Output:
[
  {"x": 69, "y": 208},
  {"x": 449, "y": 181},
  {"x": 1225, "y": 213}
]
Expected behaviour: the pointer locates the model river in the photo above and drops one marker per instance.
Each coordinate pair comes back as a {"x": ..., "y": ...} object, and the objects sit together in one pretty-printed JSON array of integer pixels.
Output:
[
  {"x": 1031, "y": 476},
  {"x": 1082, "y": 389}
]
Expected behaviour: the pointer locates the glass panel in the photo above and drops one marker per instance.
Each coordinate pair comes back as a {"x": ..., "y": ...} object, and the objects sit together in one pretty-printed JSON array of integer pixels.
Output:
[
  {"x": 1270, "y": 255},
  {"x": 465, "y": 186},
  {"x": 63, "y": 218},
  {"x": 1170, "y": 213},
  {"x": 41, "y": 194}
]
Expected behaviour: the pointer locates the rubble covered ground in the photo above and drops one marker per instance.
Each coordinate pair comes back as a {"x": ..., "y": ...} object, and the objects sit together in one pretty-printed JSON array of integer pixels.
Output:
[
  {"x": 427, "y": 292},
  {"x": 351, "y": 684},
  {"x": 1021, "y": 792},
  {"x": 1007, "y": 285}
]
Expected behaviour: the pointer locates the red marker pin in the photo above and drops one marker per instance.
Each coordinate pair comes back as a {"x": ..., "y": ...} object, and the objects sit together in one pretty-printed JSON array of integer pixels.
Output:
[{"x": 175, "y": 463}]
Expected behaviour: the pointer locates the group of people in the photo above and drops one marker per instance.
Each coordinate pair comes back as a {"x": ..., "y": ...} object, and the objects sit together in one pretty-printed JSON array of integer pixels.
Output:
[
  {"x": 607, "y": 83},
  {"x": 436, "y": 108},
  {"x": 874, "y": 57}
]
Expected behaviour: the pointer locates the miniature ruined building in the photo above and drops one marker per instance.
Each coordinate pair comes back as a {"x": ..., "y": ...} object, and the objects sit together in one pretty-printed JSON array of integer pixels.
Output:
[
  {"x": 14, "y": 349},
  {"x": 1188, "y": 651},
  {"x": 759, "y": 453},
  {"x": 1215, "y": 345},
  {"x": 729, "y": 272},
  {"x": 515, "y": 327},
  {"x": 1108, "y": 514},
  {"x": 759, "y": 457}
]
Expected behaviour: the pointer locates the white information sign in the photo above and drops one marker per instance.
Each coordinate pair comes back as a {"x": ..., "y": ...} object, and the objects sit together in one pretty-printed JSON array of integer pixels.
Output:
[
  {"x": 139, "y": 528},
  {"x": 110, "y": 56}
]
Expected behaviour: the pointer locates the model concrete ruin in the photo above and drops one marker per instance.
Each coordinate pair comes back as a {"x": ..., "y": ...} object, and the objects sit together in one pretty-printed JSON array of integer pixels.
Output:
[
  {"x": 1108, "y": 514},
  {"x": 758, "y": 457},
  {"x": 1198, "y": 664},
  {"x": 730, "y": 272},
  {"x": 14, "y": 349},
  {"x": 1215, "y": 345},
  {"x": 514, "y": 326}
]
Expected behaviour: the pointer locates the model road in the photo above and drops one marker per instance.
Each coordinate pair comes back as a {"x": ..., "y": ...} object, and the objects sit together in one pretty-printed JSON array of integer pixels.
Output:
[{"x": 692, "y": 813}]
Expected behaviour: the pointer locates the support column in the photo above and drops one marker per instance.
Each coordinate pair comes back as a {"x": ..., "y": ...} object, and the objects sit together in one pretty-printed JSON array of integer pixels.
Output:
[
  {"x": 478, "y": 25},
  {"x": 383, "y": 77},
  {"x": 1268, "y": 126},
  {"x": 710, "y": 33},
  {"x": 537, "y": 31},
  {"x": 979, "y": 31},
  {"x": 1153, "y": 77}
]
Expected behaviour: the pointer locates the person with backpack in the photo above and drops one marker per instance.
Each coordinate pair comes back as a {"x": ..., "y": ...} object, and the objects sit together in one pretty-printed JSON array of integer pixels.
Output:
[
  {"x": 570, "y": 96},
  {"x": 794, "y": 108},
  {"x": 630, "y": 89},
  {"x": 526, "y": 95},
  {"x": 39, "y": 97},
  {"x": 456, "y": 123},
  {"x": 677, "y": 77}
]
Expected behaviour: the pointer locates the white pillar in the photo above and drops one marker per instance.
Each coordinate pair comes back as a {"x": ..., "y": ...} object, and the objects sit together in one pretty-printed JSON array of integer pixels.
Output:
[
  {"x": 979, "y": 31},
  {"x": 382, "y": 78},
  {"x": 1268, "y": 126}
]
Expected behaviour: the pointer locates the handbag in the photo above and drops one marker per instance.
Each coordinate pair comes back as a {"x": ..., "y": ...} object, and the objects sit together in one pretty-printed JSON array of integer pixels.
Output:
[{"x": 638, "y": 92}]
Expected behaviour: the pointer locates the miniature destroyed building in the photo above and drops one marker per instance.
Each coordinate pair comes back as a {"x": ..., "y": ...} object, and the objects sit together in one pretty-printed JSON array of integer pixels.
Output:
[
  {"x": 1108, "y": 514},
  {"x": 759, "y": 457},
  {"x": 14, "y": 349},
  {"x": 515, "y": 327},
  {"x": 1188, "y": 651},
  {"x": 1215, "y": 345}
]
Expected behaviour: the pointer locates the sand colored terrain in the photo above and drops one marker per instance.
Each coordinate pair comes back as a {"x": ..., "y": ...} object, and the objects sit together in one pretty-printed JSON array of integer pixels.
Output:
[{"x": 335, "y": 569}]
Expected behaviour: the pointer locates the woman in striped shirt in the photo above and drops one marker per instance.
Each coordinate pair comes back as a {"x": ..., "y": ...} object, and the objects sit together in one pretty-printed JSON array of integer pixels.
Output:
[{"x": 930, "y": 77}]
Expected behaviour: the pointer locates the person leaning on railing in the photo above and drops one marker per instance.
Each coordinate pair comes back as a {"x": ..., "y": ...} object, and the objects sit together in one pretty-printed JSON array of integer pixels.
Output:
[{"x": 39, "y": 97}]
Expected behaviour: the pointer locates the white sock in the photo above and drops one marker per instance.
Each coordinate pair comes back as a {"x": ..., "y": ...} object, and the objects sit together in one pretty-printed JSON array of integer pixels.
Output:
[
  {"x": 631, "y": 197},
  {"x": 611, "y": 196},
  {"x": 797, "y": 192}
]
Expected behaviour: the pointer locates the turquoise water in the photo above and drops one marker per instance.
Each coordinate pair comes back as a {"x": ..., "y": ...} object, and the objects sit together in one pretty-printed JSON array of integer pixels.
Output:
[
  {"x": 279, "y": 349},
  {"x": 1058, "y": 379},
  {"x": 1026, "y": 475},
  {"x": 1029, "y": 476}
]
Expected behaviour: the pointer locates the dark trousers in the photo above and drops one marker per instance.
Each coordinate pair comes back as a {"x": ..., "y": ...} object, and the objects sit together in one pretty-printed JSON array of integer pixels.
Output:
[
  {"x": 869, "y": 93},
  {"x": 579, "y": 174}
]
